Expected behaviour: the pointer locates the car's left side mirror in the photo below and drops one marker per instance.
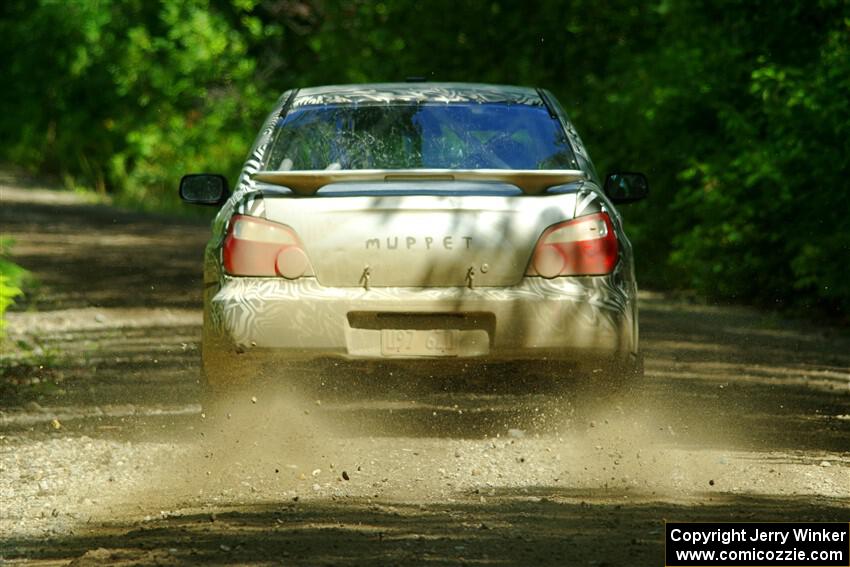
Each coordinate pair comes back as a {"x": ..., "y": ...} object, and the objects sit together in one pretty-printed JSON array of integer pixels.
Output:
[
  {"x": 624, "y": 187},
  {"x": 204, "y": 189}
]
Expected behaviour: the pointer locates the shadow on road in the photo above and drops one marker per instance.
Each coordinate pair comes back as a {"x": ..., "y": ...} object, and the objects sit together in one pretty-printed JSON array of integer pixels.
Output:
[
  {"x": 98, "y": 256},
  {"x": 561, "y": 527}
]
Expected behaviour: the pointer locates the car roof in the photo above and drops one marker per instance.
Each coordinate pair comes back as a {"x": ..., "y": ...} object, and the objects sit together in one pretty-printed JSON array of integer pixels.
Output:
[{"x": 379, "y": 93}]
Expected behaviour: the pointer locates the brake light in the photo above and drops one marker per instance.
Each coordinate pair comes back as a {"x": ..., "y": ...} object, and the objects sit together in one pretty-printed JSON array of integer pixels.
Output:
[
  {"x": 257, "y": 247},
  {"x": 585, "y": 246}
]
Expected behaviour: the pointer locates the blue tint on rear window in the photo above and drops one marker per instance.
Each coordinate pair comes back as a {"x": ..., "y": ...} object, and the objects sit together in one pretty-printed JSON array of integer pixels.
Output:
[{"x": 416, "y": 136}]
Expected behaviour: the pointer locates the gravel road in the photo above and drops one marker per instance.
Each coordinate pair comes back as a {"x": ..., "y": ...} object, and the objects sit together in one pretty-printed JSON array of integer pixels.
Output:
[{"x": 106, "y": 458}]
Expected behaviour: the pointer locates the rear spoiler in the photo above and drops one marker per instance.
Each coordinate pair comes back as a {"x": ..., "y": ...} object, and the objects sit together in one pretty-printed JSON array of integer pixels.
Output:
[{"x": 530, "y": 181}]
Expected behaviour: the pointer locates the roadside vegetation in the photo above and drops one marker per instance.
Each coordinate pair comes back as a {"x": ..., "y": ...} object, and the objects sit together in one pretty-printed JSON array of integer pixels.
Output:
[
  {"x": 738, "y": 111},
  {"x": 12, "y": 281},
  {"x": 12, "y": 278}
]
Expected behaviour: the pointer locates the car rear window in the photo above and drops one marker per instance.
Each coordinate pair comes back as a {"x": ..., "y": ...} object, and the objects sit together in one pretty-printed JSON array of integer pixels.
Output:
[{"x": 419, "y": 136}]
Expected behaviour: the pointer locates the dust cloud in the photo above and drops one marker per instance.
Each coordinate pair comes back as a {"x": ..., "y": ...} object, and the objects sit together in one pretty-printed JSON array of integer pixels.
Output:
[{"x": 404, "y": 443}]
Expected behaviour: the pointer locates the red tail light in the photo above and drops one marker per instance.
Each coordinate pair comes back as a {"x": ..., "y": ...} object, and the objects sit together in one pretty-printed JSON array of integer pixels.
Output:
[
  {"x": 257, "y": 247},
  {"x": 586, "y": 246}
]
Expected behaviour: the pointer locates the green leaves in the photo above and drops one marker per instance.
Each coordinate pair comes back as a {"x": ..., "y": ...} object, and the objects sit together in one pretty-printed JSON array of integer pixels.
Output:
[{"x": 12, "y": 279}]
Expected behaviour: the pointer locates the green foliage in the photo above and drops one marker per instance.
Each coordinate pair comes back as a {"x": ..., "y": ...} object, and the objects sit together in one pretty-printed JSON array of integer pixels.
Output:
[
  {"x": 766, "y": 203},
  {"x": 133, "y": 94},
  {"x": 12, "y": 278},
  {"x": 737, "y": 110}
]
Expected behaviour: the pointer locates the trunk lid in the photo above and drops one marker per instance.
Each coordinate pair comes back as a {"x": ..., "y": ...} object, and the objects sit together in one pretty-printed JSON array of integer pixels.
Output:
[{"x": 420, "y": 234}]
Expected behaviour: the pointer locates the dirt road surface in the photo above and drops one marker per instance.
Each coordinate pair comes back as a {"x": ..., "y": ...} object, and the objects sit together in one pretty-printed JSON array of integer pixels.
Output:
[{"x": 105, "y": 457}]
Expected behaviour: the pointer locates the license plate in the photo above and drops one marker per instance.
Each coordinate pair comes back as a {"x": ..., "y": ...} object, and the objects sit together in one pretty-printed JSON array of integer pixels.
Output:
[{"x": 403, "y": 342}]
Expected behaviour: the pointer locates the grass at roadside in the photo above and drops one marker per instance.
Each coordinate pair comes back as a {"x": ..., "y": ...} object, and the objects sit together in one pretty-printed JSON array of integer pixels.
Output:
[{"x": 12, "y": 280}]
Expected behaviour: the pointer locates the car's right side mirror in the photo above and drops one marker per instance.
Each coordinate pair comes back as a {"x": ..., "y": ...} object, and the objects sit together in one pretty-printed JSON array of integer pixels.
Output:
[
  {"x": 625, "y": 187},
  {"x": 204, "y": 189}
]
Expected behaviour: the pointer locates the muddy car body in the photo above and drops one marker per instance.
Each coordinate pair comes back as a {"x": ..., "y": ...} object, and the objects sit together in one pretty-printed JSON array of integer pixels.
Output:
[{"x": 410, "y": 223}]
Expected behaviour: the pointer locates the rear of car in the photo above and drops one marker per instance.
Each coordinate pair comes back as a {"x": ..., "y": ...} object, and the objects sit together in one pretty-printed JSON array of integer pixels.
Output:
[{"x": 414, "y": 223}]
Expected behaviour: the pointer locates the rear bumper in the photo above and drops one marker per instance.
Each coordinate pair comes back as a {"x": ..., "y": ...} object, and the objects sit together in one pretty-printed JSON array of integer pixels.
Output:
[{"x": 274, "y": 319}]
